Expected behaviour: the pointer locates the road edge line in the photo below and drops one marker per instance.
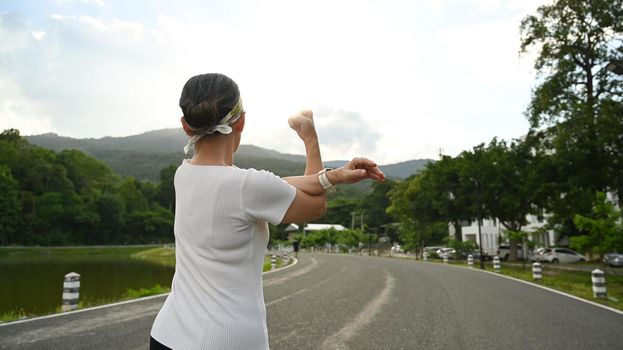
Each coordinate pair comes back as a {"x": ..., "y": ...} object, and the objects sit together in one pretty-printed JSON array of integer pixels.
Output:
[
  {"x": 557, "y": 292},
  {"x": 117, "y": 303},
  {"x": 605, "y": 307},
  {"x": 282, "y": 268}
]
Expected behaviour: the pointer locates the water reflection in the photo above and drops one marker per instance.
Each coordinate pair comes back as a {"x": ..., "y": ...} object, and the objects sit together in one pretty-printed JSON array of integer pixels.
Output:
[{"x": 34, "y": 283}]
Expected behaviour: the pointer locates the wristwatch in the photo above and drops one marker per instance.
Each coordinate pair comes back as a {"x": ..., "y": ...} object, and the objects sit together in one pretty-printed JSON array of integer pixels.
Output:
[{"x": 324, "y": 180}]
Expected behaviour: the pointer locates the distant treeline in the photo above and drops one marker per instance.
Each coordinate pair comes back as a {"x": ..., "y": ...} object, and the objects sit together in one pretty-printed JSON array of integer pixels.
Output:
[{"x": 69, "y": 198}]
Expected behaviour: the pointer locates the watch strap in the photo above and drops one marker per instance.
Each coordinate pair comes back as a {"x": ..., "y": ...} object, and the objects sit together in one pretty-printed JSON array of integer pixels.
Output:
[{"x": 324, "y": 180}]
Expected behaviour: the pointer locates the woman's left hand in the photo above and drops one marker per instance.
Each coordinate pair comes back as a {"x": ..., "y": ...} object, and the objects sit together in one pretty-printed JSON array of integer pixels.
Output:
[{"x": 303, "y": 124}]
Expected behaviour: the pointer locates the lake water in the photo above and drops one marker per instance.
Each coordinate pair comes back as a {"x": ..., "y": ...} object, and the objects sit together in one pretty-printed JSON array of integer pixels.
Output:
[{"x": 34, "y": 282}]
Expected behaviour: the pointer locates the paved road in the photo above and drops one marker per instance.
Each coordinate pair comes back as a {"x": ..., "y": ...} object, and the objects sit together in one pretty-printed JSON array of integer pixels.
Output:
[{"x": 352, "y": 302}]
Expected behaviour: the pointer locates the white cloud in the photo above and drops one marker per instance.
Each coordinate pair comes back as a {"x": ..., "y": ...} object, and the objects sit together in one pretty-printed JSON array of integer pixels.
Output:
[
  {"x": 416, "y": 86},
  {"x": 99, "y": 3}
]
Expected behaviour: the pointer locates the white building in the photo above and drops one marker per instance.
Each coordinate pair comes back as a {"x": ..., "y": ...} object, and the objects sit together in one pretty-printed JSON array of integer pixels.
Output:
[
  {"x": 492, "y": 233},
  {"x": 320, "y": 227},
  {"x": 294, "y": 228}
]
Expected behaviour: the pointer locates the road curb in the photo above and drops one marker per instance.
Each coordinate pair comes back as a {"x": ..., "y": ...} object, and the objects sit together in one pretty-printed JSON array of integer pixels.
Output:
[
  {"x": 282, "y": 268},
  {"x": 118, "y": 303}
]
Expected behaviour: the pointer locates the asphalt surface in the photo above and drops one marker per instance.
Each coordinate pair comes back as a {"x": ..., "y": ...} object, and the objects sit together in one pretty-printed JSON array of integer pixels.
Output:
[{"x": 358, "y": 302}]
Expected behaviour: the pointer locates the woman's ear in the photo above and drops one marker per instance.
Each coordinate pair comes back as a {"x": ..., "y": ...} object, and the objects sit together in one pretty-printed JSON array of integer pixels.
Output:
[
  {"x": 238, "y": 126},
  {"x": 186, "y": 127}
]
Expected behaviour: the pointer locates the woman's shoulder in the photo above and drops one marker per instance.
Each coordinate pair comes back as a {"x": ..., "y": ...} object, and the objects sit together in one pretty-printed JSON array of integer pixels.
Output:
[{"x": 252, "y": 175}]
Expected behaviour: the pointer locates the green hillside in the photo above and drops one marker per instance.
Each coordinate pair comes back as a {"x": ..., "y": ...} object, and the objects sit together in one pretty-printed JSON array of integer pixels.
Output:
[{"x": 143, "y": 156}]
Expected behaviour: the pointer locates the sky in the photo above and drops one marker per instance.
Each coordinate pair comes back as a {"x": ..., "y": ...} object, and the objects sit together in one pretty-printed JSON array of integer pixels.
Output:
[{"x": 391, "y": 80}]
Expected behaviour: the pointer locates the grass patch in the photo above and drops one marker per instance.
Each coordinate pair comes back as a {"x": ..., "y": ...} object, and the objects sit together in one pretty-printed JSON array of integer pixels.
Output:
[
  {"x": 128, "y": 295},
  {"x": 577, "y": 283},
  {"x": 13, "y": 315},
  {"x": 166, "y": 256},
  {"x": 267, "y": 265},
  {"x": 160, "y": 255},
  {"x": 71, "y": 251},
  {"x": 145, "y": 292},
  {"x": 86, "y": 302}
]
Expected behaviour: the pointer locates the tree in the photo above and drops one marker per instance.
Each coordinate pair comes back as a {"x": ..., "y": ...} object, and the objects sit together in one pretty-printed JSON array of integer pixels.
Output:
[
  {"x": 417, "y": 218},
  {"x": 576, "y": 98},
  {"x": 85, "y": 172},
  {"x": 10, "y": 208},
  {"x": 603, "y": 229},
  {"x": 166, "y": 190},
  {"x": 375, "y": 204},
  {"x": 446, "y": 195},
  {"x": 340, "y": 211},
  {"x": 133, "y": 200},
  {"x": 507, "y": 181}
]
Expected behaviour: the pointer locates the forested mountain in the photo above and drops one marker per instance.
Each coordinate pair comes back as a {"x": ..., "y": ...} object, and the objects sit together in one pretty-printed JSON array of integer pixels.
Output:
[
  {"x": 69, "y": 198},
  {"x": 143, "y": 156}
]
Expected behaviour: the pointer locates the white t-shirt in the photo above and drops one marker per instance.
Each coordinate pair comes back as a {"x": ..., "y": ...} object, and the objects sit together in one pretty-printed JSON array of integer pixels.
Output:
[{"x": 221, "y": 233}]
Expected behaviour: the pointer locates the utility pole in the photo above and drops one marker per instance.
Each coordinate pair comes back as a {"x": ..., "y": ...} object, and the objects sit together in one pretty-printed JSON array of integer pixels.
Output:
[
  {"x": 361, "y": 221},
  {"x": 352, "y": 221},
  {"x": 482, "y": 263}
]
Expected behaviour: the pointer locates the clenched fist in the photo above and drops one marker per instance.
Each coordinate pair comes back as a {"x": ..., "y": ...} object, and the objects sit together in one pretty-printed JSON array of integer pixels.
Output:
[{"x": 303, "y": 124}]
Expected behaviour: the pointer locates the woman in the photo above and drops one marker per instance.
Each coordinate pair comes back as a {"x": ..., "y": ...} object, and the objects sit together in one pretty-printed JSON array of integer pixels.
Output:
[{"x": 221, "y": 216}]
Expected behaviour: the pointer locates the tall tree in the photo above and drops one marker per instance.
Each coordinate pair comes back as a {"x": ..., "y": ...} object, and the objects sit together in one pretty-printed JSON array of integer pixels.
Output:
[
  {"x": 575, "y": 41},
  {"x": 166, "y": 190},
  {"x": 10, "y": 208},
  {"x": 417, "y": 226},
  {"x": 446, "y": 196},
  {"x": 507, "y": 183},
  {"x": 374, "y": 204}
]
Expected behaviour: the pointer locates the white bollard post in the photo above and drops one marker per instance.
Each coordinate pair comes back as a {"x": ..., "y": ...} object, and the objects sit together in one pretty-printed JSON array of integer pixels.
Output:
[
  {"x": 391, "y": 252},
  {"x": 470, "y": 261},
  {"x": 312, "y": 249},
  {"x": 350, "y": 251},
  {"x": 445, "y": 257},
  {"x": 286, "y": 259},
  {"x": 496, "y": 263},
  {"x": 537, "y": 272},
  {"x": 273, "y": 262},
  {"x": 425, "y": 256},
  {"x": 599, "y": 284},
  {"x": 71, "y": 291}
]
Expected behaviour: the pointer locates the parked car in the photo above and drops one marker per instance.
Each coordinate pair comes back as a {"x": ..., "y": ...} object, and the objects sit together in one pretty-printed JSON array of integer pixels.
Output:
[
  {"x": 449, "y": 251},
  {"x": 536, "y": 254},
  {"x": 475, "y": 254},
  {"x": 561, "y": 255},
  {"x": 613, "y": 259},
  {"x": 432, "y": 251},
  {"x": 505, "y": 249}
]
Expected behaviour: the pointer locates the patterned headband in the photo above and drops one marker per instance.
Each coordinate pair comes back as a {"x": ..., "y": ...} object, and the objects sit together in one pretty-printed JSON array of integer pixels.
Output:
[{"x": 224, "y": 126}]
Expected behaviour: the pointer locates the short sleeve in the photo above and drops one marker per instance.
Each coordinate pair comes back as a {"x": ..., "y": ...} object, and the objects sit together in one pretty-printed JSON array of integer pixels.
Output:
[{"x": 265, "y": 196}]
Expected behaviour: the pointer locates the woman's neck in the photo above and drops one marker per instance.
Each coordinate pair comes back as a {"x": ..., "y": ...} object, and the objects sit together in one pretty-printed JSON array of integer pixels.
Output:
[{"x": 214, "y": 150}]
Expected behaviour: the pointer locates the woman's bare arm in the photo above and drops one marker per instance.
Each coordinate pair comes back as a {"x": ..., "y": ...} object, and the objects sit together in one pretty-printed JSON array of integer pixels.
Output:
[
  {"x": 310, "y": 200},
  {"x": 303, "y": 124}
]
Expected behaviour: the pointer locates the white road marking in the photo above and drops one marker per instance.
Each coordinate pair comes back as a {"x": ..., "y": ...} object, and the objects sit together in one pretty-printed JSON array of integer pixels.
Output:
[
  {"x": 338, "y": 340},
  {"x": 304, "y": 270},
  {"x": 304, "y": 289},
  {"x": 533, "y": 285},
  {"x": 81, "y": 326}
]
